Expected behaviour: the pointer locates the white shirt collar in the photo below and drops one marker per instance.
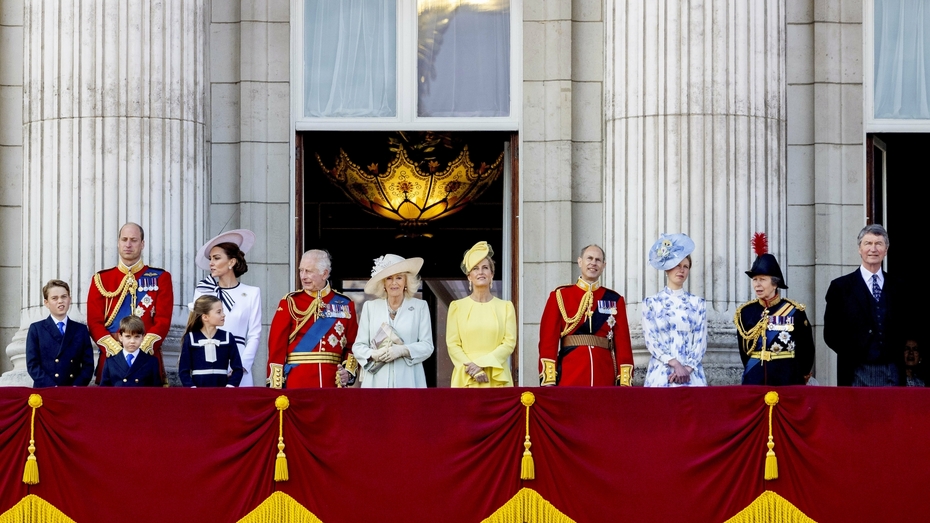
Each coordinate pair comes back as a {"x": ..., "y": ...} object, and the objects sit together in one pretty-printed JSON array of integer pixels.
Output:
[
  {"x": 135, "y": 356},
  {"x": 63, "y": 320},
  {"x": 867, "y": 276}
]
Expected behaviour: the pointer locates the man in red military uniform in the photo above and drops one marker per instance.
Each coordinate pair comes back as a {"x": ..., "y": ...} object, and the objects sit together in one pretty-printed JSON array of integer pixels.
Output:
[
  {"x": 312, "y": 332},
  {"x": 130, "y": 288},
  {"x": 584, "y": 337}
]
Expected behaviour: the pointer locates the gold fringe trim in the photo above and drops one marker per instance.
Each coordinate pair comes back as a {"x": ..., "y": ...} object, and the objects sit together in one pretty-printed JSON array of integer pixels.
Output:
[
  {"x": 770, "y": 508},
  {"x": 771, "y": 463},
  {"x": 280, "y": 463},
  {"x": 279, "y": 508},
  {"x": 31, "y": 473},
  {"x": 527, "y": 467},
  {"x": 33, "y": 509},
  {"x": 528, "y": 505}
]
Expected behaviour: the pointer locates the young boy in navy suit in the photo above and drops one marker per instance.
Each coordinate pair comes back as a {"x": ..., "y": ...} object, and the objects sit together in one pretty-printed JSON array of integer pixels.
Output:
[
  {"x": 59, "y": 351},
  {"x": 131, "y": 367}
]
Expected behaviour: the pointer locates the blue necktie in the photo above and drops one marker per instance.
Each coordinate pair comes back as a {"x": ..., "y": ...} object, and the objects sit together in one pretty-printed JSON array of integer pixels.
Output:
[
  {"x": 876, "y": 290},
  {"x": 61, "y": 327},
  {"x": 129, "y": 358}
]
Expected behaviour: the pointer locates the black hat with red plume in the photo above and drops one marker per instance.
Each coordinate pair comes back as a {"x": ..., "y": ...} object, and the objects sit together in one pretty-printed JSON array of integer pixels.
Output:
[{"x": 765, "y": 264}]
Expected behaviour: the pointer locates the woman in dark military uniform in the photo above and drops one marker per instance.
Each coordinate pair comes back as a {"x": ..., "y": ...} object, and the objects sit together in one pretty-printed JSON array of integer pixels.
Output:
[{"x": 775, "y": 338}]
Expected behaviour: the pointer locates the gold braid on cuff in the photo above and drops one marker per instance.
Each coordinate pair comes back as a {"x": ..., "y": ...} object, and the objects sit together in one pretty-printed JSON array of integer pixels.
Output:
[
  {"x": 276, "y": 378},
  {"x": 110, "y": 345},
  {"x": 548, "y": 375},
  {"x": 625, "y": 379},
  {"x": 148, "y": 343}
]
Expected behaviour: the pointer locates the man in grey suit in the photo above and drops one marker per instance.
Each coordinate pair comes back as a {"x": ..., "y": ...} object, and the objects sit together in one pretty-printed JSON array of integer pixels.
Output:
[{"x": 860, "y": 322}]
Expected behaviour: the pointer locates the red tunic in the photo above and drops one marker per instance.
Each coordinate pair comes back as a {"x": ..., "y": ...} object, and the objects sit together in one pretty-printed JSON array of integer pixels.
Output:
[
  {"x": 584, "y": 365},
  {"x": 154, "y": 307},
  {"x": 337, "y": 340}
]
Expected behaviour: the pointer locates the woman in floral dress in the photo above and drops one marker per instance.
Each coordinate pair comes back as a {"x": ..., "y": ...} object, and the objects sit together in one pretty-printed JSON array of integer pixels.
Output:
[{"x": 674, "y": 320}]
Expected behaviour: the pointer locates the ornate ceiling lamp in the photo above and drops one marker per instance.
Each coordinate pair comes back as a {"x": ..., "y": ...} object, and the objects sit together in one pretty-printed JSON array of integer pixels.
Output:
[{"x": 413, "y": 193}]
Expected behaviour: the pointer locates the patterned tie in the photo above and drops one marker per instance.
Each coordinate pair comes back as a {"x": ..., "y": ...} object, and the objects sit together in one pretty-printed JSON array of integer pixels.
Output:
[
  {"x": 876, "y": 290},
  {"x": 129, "y": 358},
  {"x": 61, "y": 327}
]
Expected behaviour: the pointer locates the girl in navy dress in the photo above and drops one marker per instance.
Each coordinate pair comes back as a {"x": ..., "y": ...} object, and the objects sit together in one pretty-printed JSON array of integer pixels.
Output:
[{"x": 209, "y": 355}]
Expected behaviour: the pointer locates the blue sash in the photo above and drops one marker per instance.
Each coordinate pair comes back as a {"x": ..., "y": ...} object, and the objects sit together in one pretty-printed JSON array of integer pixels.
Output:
[
  {"x": 149, "y": 278},
  {"x": 320, "y": 327}
]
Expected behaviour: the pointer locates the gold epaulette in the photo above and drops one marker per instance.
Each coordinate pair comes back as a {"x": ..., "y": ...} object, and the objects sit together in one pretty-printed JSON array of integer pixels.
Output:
[{"x": 798, "y": 306}]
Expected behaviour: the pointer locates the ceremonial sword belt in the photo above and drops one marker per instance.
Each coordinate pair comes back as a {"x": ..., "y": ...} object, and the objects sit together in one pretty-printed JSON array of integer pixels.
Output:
[
  {"x": 576, "y": 340},
  {"x": 767, "y": 355},
  {"x": 296, "y": 358}
]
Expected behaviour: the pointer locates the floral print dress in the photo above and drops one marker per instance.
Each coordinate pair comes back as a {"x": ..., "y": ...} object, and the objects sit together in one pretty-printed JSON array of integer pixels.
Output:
[{"x": 675, "y": 327}]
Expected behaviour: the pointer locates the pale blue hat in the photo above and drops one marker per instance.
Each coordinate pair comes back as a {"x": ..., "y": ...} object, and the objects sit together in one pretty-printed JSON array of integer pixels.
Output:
[{"x": 669, "y": 250}]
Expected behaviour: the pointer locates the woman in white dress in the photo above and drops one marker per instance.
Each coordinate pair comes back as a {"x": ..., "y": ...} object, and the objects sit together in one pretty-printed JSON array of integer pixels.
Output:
[
  {"x": 674, "y": 320},
  {"x": 224, "y": 257},
  {"x": 395, "y": 334}
]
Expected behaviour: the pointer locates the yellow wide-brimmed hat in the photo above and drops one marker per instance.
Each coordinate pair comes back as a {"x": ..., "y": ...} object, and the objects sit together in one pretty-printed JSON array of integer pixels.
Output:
[
  {"x": 389, "y": 265},
  {"x": 473, "y": 256}
]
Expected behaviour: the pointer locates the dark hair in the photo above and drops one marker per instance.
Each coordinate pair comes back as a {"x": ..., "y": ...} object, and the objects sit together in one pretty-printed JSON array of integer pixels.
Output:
[
  {"x": 131, "y": 325},
  {"x": 234, "y": 253},
  {"x": 54, "y": 283},
  {"x": 201, "y": 306}
]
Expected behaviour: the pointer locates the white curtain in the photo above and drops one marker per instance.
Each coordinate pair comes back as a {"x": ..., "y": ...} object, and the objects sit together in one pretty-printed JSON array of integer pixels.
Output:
[
  {"x": 902, "y": 52},
  {"x": 463, "y": 66},
  {"x": 350, "y": 58}
]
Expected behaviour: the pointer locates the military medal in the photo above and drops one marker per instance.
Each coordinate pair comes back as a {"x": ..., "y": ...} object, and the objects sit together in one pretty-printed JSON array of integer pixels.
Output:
[{"x": 610, "y": 308}]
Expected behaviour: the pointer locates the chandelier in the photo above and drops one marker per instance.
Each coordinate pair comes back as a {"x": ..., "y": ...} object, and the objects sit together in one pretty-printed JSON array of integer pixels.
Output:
[{"x": 409, "y": 193}]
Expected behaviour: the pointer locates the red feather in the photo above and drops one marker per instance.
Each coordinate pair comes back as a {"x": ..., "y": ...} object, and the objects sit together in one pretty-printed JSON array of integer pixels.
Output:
[{"x": 760, "y": 243}]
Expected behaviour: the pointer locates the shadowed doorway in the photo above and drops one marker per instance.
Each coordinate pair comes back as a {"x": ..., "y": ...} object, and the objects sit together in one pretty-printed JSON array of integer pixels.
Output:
[{"x": 354, "y": 236}]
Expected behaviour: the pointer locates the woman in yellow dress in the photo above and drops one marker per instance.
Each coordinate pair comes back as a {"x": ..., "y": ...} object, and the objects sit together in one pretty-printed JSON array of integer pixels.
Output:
[{"x": 481, "y": 331}]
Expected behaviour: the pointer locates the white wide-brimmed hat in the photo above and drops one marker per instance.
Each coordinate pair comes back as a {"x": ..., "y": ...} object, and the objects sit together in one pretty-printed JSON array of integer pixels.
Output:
[
  {"x": 389, "y": 265},
  {"x": 244, "y": 238}
]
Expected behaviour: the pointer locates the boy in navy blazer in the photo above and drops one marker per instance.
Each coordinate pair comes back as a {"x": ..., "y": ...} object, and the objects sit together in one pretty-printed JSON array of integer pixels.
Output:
[
  {"x": 59, "y": 351},
  {"x": 131, "y": 367}
]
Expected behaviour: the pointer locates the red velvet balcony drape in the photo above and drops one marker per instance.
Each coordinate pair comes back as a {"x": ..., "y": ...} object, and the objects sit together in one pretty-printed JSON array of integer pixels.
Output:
[{"x": 454, "y": 455}]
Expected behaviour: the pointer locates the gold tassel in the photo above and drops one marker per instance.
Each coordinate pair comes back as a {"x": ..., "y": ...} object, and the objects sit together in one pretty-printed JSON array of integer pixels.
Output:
[
  {"x": 34, "y": 508},
  {"x": 527, "y": 467},
  {"x": 771, "y": 463},
  {"x": 31, "y": 474},
  {"x": 280, "y": 462},
  {"x": 527, "y": 505}
]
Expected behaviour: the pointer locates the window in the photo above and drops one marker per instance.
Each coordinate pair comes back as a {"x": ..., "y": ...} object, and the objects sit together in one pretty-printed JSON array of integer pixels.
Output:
[{"x": 407, "y": 64}]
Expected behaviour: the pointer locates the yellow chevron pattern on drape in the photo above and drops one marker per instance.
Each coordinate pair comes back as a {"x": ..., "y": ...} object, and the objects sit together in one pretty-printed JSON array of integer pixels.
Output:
[
  {"x": 770, "y": 508},
  {"x": 33, "y": 509},
  {"x": 528, "y": 505},
  {"x": 279, "y": 508}
]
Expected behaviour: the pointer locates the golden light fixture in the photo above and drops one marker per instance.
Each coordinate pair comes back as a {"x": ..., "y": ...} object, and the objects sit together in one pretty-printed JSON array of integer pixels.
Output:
[{"x": 408, "y": 194}]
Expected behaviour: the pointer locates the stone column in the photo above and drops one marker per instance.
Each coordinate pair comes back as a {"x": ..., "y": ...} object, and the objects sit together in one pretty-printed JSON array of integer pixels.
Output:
[
  {"x": 695, "y": 143},
  {"x": 113, "y": 131}
]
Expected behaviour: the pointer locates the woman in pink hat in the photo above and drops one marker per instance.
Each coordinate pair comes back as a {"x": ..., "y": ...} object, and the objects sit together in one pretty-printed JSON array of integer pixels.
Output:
[{"x": 224, "y": 257}]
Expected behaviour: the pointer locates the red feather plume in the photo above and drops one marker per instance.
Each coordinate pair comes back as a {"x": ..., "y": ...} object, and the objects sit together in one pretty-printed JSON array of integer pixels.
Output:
[{"x": 760, "y": 243}]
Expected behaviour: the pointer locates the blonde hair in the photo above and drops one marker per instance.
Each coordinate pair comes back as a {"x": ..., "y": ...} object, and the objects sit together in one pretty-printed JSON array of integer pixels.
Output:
[{"x": 410, "y": 287}]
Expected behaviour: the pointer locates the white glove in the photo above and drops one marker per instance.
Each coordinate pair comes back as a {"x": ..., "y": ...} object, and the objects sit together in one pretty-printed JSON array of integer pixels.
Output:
[{"x": 393, "y": 352}]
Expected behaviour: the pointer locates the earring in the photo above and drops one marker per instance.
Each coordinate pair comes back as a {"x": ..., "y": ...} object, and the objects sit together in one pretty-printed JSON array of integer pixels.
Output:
[{"x": 469, "y": 287}]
